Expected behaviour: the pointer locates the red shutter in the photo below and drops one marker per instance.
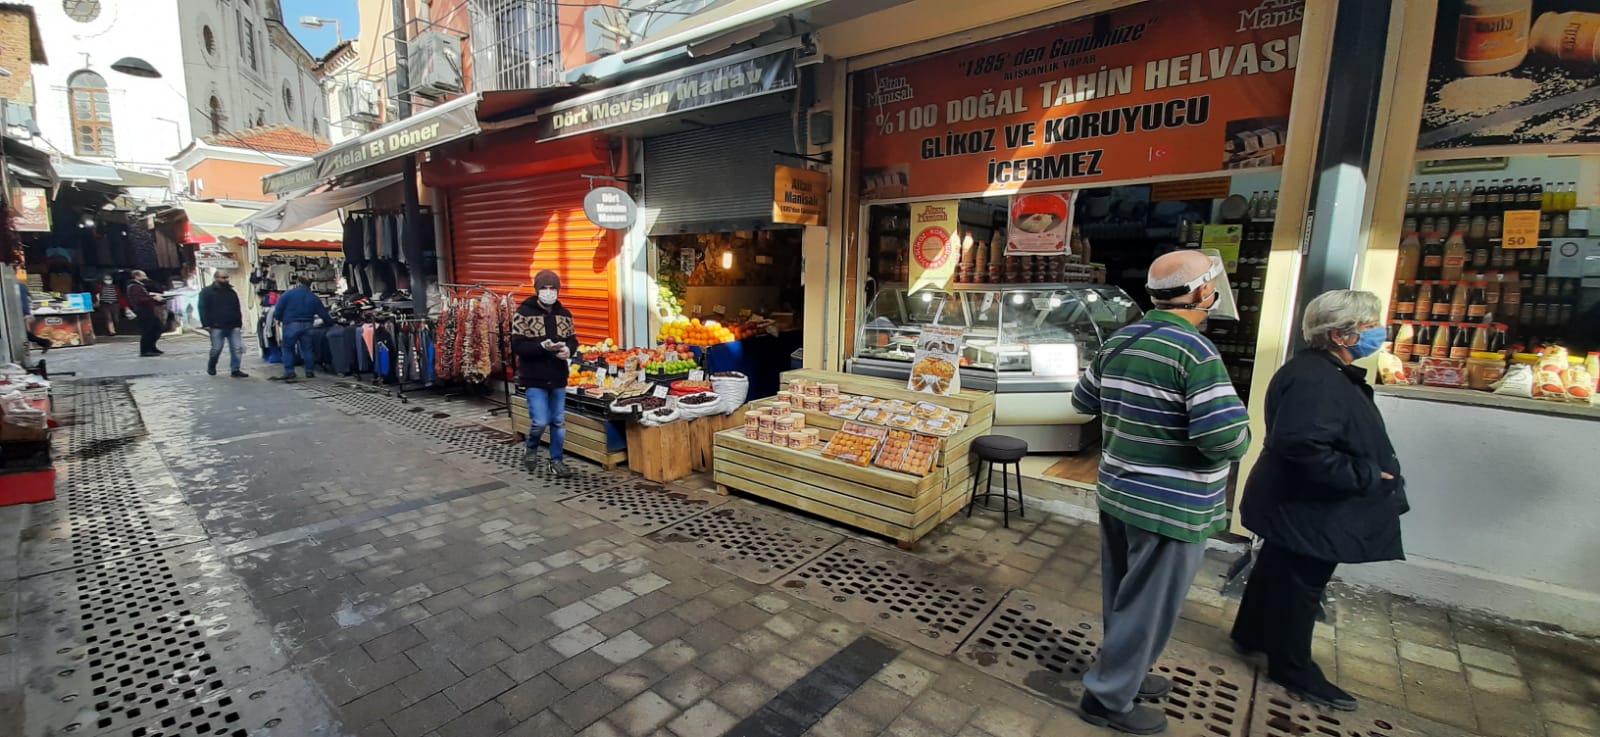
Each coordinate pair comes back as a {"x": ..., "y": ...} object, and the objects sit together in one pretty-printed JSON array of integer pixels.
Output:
[{"x": 507, "y": 231}]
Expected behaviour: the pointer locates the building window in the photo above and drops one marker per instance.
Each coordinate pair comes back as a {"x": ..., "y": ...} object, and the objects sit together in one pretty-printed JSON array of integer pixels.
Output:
[
  {"x": 210, "y": 38},
  {"x": 248, "y": 30},
  {"x": 91, "y": 115},
  {"x": 82, "y": 11},
  {"x": 288, "y": 101},
  {"x": 516, "y": 44},
  {"x": 214, "y": 114}
]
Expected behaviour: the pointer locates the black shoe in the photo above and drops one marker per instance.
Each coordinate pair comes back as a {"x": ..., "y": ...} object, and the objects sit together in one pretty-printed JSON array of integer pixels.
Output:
[
  {"x": 239, "y": 375},
  {"x": 310, "y": 375},
  {"x": 284, "y": 379},
  {"x": 530, "y": 460},
  {"x": 158, "y": 351},
  {"x": 1140, "y": 720},
  {"x": 560, "y": 469},
  {"x": 149, "y": 354},
  {"x": 1154, "y": 686},
  {"x": 1321, "y": 694},
  {"x": 211, "y": 370}
]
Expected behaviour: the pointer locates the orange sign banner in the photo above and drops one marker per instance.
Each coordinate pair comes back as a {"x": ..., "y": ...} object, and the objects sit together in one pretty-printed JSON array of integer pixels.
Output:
[{"x": 1161, "y": 88}]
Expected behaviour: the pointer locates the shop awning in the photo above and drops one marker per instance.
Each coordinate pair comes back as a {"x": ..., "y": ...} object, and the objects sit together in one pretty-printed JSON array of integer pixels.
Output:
[
  {"x": 730, "y": 17},
  {"x": 76, "y": 170},
  {"x": 451, "y": 121},
  {"x": 28, "y": 162},
  {"x": 214, "y": 220},
  {"x": 742, "y": 76},
  {"x": 298, "y": 211}
]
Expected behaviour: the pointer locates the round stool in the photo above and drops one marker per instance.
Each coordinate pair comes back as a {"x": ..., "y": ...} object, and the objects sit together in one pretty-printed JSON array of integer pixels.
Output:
[{"x": 1007, "y": 452}]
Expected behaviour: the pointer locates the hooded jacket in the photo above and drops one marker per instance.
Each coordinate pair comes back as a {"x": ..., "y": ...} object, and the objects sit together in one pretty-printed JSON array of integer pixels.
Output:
[{"x": 534, "y": 323}]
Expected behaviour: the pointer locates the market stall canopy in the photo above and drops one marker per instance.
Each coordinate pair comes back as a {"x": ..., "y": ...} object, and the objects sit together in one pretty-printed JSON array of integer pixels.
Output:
[
  {"x": 28, "y": 162},
  {"x": 77, "y": 170},
  {"x": 294, "y": 212},
  {"x": 448, "y": 122},
  {"x": 217, "y": 221},
  {"x": 730, "y": 17}
]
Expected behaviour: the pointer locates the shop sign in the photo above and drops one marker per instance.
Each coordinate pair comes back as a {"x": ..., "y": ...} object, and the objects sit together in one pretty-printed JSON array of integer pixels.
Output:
[
  {"x": 1039, "y": 224},
  {"x": 799, "y": 196},
  {"x": 1225, "y": 240},
  {"x": 1521, "y": 229},
  {"x": 32, "y": 209},
  {"x": 610, "y": 208},
  {"x": 60, "y": 331},
  {"x": 215, "y": 262},
  {"x": 442, "y": 124},
  {"x": 738, "y": 77},
  {"x": 1522, "y": 73},
  {"x": 1170, "y": 87},
  {"x": 936, "y": 367},
  {"x": 933, "y": 244},
  {"x": 288, "y": 180},
  {"x": 1574, "y": 258}
]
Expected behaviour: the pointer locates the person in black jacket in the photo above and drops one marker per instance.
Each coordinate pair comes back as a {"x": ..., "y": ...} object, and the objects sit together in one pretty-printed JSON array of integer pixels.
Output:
[
  {"x": 221, "y": 316},
  {"x": 544, "y": 338},
  {"x": 1326, "y": 490},
  {"x": 145, "y": 300}
]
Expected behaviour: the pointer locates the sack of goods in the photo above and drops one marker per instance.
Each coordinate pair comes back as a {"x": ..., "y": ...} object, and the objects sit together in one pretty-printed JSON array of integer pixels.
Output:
[
  {"x": 703, "y": 404},
  {"x": 660, "y": 416},
  {"x": 733, "y": 386}
]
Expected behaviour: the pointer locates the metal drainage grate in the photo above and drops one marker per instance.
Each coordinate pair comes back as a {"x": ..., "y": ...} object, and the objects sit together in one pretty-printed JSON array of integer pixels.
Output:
[
  {"x": 282, "y": 704},
  {"x": 756, "y": 544},
  {"x": 644, "y": 507},
  {"x": 1277, "y": 714},
  {"x": 126, "y": 640},
  {"x": 1046, "y": 647},
  {"x": 901, "y": 594}
]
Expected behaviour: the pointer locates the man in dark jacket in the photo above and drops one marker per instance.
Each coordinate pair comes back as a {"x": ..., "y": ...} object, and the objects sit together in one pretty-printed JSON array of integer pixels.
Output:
[
  {"x": 544, "y": 338},
  {"x": 221, "y": 315},
  {"x": 1326, "y": 490},
  {"x": 298, "y": 309},
  {"x": 146, "y": 303}
]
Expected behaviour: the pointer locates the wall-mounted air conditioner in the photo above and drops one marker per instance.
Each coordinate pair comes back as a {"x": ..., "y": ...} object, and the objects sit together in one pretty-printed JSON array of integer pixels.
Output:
[{"x": 435, "y": 65}]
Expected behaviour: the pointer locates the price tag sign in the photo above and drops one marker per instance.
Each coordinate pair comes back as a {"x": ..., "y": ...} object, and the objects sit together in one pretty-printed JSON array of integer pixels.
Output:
[
  {"x": 661, "y": 391},
  {"x": 1521, "y": 230},
  {"x": 744, "y": 313},
  {"x": 697, "y": 375},
  {"x": 698, "y": 309},
  {"x": 719, "y": 310}
]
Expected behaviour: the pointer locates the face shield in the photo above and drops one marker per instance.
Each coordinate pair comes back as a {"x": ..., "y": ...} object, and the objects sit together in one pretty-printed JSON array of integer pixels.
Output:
[{"x": 1222, "y": 307}]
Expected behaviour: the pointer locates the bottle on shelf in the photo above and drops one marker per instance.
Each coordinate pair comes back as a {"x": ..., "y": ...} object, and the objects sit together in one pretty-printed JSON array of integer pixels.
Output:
[
  {"x": 1480, "y": 253},
  {"x": 1411, "y": 199},
  {"x": 1480, "y": 338},
  {"x": 1569, "y": 198},
  {"x": 1404, "y": 339},
  {"x": 1438, "y": 198},
  {"x": 1495, "y": 227},
  {"x": 1460, "y": 342},
  {"x": 1405, "y": 301},
  {"x": 1547, "y": 197},
  {"x": 1452, "y": 197},
  {"x": 1536, "y": 194},
  {"x": 1491, "y": 200},
  {"x": 1432, "y": 256},
  {"x": 1480, "y": 197},
  {"x": 1455, "y": 257},
  {"x": 1558, "y": 225},
  {"x": 1409, "y": 259},
  {"x": 1458, "y": 301},
  {"x": 1272, "y": 206},
  {"x": 1442, "y": 299},
  {"x": 1508, "y": 194},
  {"x": 1440, "y": 347},
  {"x": 1424, "y": 300},
  {"x": 1478, "y": 302},
  {"x": 1524, "y": 195}
]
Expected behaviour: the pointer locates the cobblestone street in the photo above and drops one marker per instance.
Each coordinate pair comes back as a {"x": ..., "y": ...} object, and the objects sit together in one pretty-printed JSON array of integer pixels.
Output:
[{"x": 233, "y": 557}]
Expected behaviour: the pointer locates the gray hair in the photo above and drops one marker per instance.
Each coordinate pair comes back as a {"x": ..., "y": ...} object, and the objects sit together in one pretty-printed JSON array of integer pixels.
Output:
[{"x": 1339, "y": 311}]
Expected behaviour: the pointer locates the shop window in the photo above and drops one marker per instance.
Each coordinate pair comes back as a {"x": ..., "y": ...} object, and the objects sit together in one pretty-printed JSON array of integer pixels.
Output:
[
  {"x": 91, "y": 115},
  {"x": 749, "y": 273},
  {"x": 82, "y": 11},
  {"x": 214, "y": 116}
]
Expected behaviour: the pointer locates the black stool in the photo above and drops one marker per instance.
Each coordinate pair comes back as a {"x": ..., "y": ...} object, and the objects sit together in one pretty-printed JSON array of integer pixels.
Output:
[{"x": 1008, "y": 452}]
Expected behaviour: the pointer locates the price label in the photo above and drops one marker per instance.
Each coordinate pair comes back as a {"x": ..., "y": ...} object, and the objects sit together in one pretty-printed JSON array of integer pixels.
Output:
[
  {"x": 697, "y": 375},
  {"x": 660, "y": 391},
  {"x": 1521, "y": 230},
  {"x": 719, "y": 310},
  {"x": 744, "y": 313},
  {"x": 698, "y": 309}
]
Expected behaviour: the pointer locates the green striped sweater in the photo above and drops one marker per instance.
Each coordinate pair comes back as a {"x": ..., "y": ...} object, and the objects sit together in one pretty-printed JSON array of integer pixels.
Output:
[{"x": 1172, "y": 427}]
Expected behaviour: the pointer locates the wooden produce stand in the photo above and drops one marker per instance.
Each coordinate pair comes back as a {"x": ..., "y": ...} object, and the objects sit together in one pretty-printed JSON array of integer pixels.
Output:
[
  {"x": 586, "y": 436},
  {"x": 660, "y": 453},
  {"x": 897, "y": 505}
]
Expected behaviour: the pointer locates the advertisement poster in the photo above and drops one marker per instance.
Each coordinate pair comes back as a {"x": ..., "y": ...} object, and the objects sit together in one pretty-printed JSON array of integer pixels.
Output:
[
  {"x": 933, "y": 244},
  {"x": 1523, "y": 75},
  {"x": 1225, "y": 240},
  {"x": 33, "y": 209},
  {"x": 799, "y": 196},
  {"x": 1161, "y": 88},
  {"x": 936, "y": 367},
  {"x": 62, "y": 331},
  {"x": 1039, "y": 224}
]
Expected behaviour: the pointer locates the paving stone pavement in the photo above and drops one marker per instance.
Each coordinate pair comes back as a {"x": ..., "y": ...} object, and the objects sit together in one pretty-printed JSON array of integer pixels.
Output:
[{"x": 388, "y": 573}]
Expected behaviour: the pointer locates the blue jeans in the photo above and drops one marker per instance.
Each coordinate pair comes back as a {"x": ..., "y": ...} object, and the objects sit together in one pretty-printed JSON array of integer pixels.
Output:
[
  {"x": 297, "y": 339},
  {"x": 548, "y": 408},
  {"x": 235, "y": 340}
]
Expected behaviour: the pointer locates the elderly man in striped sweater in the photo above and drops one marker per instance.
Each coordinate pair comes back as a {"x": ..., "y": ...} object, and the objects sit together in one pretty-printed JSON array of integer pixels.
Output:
[{"x": 1173, "y": 426}]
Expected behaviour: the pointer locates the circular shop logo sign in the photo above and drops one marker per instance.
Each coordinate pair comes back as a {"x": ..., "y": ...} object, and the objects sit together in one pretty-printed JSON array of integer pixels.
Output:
[
  {"x": 932, "y": 248},
  {"x": 610, "y": 208}
]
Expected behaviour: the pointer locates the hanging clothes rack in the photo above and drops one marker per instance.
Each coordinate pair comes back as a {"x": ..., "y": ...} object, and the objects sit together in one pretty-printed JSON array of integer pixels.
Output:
[{"x": 507, "y": 358}]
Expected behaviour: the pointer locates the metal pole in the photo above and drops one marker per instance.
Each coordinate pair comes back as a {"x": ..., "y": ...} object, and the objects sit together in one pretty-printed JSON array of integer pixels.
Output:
[{"x": 409, "y": 236}]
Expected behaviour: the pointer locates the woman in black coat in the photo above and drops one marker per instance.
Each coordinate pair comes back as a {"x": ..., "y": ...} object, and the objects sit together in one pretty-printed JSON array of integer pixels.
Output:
[{"x": 1326, "y": 490}]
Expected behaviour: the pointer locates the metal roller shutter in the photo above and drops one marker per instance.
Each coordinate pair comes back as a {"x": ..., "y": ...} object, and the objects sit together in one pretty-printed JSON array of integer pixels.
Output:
[
  {"x": 717, "y": 178},
  {"x": 507, "y": 231}
]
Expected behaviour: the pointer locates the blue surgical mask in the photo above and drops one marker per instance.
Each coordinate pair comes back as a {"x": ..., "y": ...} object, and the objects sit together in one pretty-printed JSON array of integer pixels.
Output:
[{"x": 1371, "y": 340}]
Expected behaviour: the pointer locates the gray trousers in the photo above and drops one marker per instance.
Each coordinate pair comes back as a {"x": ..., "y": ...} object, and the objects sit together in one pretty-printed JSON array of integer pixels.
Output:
[{"x": 1144, "y": 578}]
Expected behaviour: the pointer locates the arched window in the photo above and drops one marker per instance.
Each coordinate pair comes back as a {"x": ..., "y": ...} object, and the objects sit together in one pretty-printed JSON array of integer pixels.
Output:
[
  {"x": 91, "y": 115},
  {"x": 214, "y": 114}
]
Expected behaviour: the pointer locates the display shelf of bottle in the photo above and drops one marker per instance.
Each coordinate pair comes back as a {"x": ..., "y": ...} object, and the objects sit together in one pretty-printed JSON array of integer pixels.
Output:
[{"x": 1453, "y": 282}]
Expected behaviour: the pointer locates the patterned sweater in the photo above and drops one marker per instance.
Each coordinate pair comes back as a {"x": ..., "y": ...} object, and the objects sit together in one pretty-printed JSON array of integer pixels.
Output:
[{"x": 1173, "y": 426}]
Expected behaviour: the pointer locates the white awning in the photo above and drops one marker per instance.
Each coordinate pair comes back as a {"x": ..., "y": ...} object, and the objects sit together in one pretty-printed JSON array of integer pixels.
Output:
[
  {"x": 296, "y": 212},
  {"x": 716, "y": 21}
]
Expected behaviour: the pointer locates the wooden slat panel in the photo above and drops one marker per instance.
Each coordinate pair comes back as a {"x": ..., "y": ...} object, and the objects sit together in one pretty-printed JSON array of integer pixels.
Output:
[
  {"x": 812, "y": 461},
  {"x": 876, "y": 497},
  {"x": 826, "y": 511},
  {"x": 966, "y": 401}
]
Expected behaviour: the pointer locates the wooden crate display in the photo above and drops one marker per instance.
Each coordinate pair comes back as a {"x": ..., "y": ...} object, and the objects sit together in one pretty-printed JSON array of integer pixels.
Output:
[
  {"x": 661, "y": 453},
  {"x": 896, "y": 505},
  {"x": 586, "y": 436}
]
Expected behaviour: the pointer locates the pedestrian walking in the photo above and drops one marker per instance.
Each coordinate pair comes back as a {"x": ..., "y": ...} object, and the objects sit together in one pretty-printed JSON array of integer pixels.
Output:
[
  {"x": 544, "y": 337},
  {"x": 223, "y": 318},
  {"x": 298, "y": 310},
  {"x": 1172, "y": 427},
  {"x": 27, "y": 313},
  {"x": 110, "y": 303},
  {"x": 145, "y": 300},
  {"x": 1326, "y": 490}
]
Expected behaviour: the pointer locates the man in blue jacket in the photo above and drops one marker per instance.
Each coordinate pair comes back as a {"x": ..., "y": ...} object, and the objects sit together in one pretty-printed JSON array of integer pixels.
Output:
[{"x": 298, "y": 310}]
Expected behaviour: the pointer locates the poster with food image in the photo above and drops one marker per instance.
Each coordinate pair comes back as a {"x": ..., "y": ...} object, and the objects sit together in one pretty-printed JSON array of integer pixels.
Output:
[
  {"x": 1039, "y": 224},
  {"x": 936, "y": 367},
  {"x": 1512, "y": 74},
  {"x": 934, "y": 244}
]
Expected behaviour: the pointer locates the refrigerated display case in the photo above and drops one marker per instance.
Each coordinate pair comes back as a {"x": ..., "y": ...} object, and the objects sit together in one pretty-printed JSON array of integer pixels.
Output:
[{"x": 1026, "y": 343}]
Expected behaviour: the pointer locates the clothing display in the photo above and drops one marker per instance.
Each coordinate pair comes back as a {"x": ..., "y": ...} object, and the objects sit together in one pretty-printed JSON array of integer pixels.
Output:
[
  {"x": 471, "y": 329},
  {"x": 276, "y": 273}
]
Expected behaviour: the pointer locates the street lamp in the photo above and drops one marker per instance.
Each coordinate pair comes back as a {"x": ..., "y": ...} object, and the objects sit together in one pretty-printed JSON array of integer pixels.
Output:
[
  {"x": 133, "y": 66},
  {"x": 311, "y": 21}
]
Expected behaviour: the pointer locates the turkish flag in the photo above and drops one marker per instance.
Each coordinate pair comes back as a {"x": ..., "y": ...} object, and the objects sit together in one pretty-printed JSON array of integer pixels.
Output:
[{"x": 1158, "y": 153}]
